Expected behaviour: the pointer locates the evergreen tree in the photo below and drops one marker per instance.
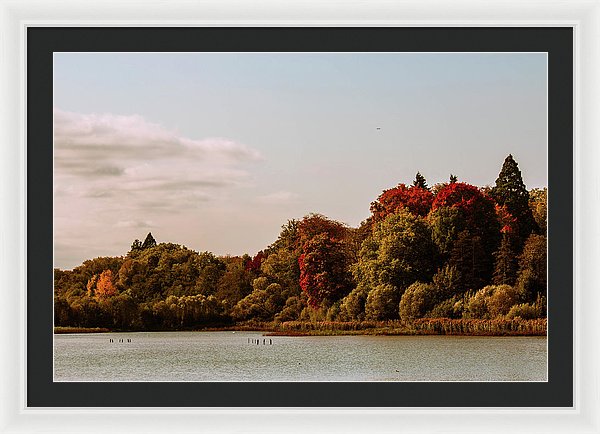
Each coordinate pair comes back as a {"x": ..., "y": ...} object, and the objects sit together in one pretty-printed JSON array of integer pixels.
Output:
[
  {"x": 511, "y": 192},
  {"x": 149, "y": 241},
  {"x": 473, "y": 265},
  {"x": 420, "y": 181},
  {"x": 136, "y": 245},
  {"x": 505, "y": 267},
  {"x": 453, "y": 178}
]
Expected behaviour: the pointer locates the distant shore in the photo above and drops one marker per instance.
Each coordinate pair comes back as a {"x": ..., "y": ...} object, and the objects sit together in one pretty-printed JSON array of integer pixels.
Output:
[{"x": 424, "y": 326}]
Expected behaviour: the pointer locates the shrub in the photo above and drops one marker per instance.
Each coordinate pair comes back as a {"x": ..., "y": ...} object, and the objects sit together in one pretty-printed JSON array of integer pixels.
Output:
[
  {"x": 446, "y": 282},
  {"x": 382, "y": 303},
  {"x": 501, "y": 300},
  {"x": 475, "y": 306},
  {"x": 352, "y": 307},
  {"x": 416, "y": 301},
  {"x": 292, "y": 310},
  {"x": 333, "y": 313},
  {"x": 523, "y": 311},
  {"x": 449, "y": 308}
]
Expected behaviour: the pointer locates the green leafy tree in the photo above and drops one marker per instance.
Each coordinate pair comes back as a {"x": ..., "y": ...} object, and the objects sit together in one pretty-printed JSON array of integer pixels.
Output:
[
  {"x": 490, "y": 302},
  {"x": 538, "y": 202},
  {"x": 62, "y": 312},
  {"x": 466, "y": 229},
  {"x": 399, "y": 252},
  {"x": 282, "y": 267},
  {"x": 501, "y": 300},
  {"x": 235, "y": 283},
  {"x": 136, "y": 245},
  {"x": 382, "y": 303},
  {"x": 263, "y": 303},
  {"x": 447, "y": 283},
  {"x": 417, "y": 300},
  {"x": 86, "y": 312},
  {"x": 211, "y": 269},
  {"x": 292, "y": 309},
  {"x": 446, "y": 223},
  {"x": 532, "y": 280},
  {"x": 449, "y": 308},
  {"x": 122, "y": 311},
  {"x": 289, "y": 238},
  {"x": 352, "y": 307}
]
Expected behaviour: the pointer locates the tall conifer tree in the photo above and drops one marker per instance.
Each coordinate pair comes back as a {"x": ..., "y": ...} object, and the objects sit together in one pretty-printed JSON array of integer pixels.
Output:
[
  {"x": 511, "y": 192},
  {"x": 149, "y": 241},
  {"x": 505, "y": 267},
  {"x": 420, "y": 181}
]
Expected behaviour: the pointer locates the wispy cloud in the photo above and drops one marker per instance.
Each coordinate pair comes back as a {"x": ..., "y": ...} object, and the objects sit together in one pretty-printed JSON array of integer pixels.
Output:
[
  {"x": 106, "y": 153},
  {"x": 133, "y": 224},
  {"x": 130, "y": 137},
  {"x": 125, "y": 172},
  {"x": 278, "y": 197}
]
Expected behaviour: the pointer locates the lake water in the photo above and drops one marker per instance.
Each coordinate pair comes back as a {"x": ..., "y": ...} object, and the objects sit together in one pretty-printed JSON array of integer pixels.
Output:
[{"x": 232, "y": 356}]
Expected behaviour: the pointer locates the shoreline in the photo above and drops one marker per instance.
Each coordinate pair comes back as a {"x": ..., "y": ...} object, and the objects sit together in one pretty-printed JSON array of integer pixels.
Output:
[{"x": 419, "y": 327}]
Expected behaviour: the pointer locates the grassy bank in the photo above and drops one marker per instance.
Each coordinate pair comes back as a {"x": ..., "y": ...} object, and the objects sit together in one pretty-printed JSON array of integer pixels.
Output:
[
  {"x": 61, "y": 330},
  {"x": 433, "y": 326},
  {"x": 424, "y": 326}
]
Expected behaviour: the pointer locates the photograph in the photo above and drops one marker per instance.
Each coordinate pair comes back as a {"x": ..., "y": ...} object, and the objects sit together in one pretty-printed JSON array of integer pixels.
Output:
[{"x": 245, "y": 217}]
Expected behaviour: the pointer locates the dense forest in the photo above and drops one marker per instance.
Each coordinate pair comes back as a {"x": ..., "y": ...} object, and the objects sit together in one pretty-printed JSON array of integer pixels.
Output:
[{"x": 452, "y": 250}]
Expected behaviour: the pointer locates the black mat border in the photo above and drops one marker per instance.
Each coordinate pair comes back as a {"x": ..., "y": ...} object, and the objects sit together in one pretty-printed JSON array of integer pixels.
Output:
[{"x": 43, "y": 41}]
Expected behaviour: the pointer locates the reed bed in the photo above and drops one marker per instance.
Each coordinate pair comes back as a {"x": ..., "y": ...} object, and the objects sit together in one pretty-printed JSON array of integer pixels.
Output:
[
  {"x": 425, "y": 326},
  {"x": 60, "y": 330},
  {"x": 480, "y": 327}
]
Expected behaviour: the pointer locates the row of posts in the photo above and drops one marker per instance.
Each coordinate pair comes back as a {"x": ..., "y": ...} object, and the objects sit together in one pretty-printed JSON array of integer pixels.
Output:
[
  {"x": 257, "y": 341},
  {"x": 250, "y": 341}
]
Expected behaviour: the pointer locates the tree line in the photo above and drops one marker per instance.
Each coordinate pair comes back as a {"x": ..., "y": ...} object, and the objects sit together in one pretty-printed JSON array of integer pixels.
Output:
[{"x": 452, "y": 251}]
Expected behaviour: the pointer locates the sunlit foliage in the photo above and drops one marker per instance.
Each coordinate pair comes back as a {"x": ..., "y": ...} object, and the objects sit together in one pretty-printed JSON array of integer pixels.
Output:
[{"x": 449, "y": 252}]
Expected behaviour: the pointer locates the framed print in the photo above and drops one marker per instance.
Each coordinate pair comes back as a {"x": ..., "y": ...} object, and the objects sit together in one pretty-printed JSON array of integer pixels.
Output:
[
  {"x": 344, "y": 223},
  {"x": 462, "y": 262}
]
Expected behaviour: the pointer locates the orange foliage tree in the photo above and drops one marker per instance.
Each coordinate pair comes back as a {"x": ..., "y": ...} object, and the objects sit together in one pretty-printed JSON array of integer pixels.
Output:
[{"x": 105, "y": 287}]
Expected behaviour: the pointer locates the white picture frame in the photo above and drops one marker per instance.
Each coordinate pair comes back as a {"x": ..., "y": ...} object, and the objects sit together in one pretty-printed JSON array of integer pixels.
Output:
[{"x": 16, "y": 16}]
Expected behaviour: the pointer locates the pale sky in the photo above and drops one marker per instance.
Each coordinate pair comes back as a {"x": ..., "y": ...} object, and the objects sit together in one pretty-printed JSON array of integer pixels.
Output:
[{"x": 216, "y": 151}]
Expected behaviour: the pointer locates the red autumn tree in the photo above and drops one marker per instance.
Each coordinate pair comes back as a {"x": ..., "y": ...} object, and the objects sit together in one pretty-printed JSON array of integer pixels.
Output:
[
  {"x": 254, "y": 263},
  {"x": 459, "y": 195},
  {"x": 466, "y": 227},
  {"x": 416, "y": 199},
  {"x": 323, "y": 262},
  {"x": 477, "y": 208}
]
